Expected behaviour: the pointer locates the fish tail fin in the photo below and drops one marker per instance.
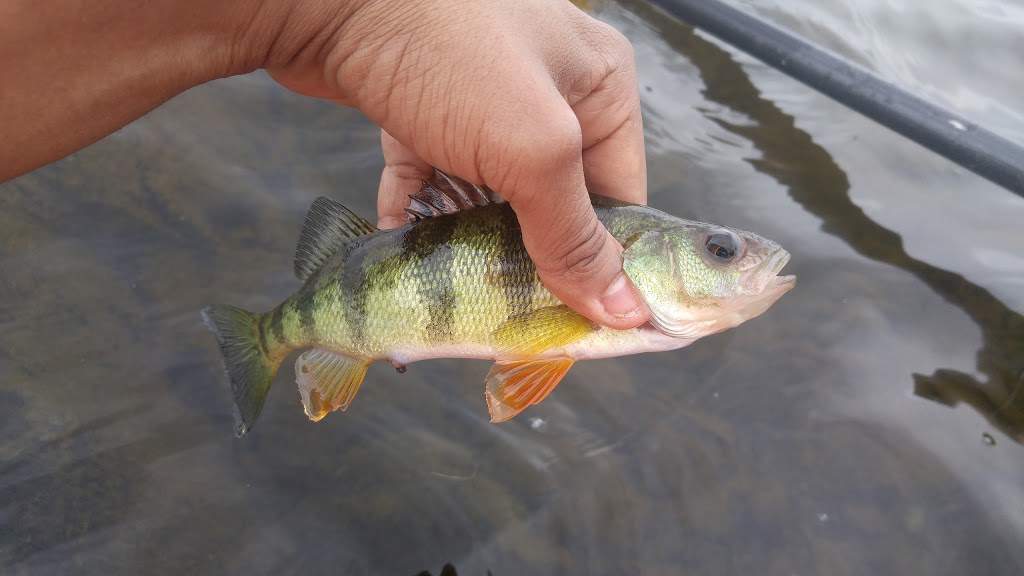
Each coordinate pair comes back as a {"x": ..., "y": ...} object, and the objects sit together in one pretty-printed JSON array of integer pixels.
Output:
[{"x": 246, "y": 360}]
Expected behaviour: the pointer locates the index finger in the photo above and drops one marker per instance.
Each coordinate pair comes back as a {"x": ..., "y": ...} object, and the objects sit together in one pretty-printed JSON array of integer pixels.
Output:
[
  {"x": 614, "y": 157},
  {"x": 598, "y": 80}
]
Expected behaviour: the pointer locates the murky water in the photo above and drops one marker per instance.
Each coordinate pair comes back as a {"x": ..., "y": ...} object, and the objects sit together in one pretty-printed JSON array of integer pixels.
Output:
[{"x": 870, "y": 423}]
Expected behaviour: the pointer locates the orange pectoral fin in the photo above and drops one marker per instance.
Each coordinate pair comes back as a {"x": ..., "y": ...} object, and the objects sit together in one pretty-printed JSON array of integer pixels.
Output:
[
  {"x": 535, "y": 332},
  {"x": 327, "y": 381},
  {"x": 512, "y": 386}
]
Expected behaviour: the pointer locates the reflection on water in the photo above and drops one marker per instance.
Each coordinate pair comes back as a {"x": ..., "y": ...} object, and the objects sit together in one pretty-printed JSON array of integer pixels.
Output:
[
  {"x": 758, "y": 451},
  {"x": 816, "y": 183},
  {"x": 920, "y": 46}
]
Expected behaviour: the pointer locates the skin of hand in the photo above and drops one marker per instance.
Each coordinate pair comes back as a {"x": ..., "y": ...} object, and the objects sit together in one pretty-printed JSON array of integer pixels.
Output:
[{"x": 533, "y": 98}]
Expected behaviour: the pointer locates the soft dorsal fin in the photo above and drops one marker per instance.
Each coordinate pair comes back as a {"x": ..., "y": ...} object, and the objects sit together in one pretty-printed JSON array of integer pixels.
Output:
[
  {"x": 328, "y": 227},
  {"x": 444, "y": 194}
]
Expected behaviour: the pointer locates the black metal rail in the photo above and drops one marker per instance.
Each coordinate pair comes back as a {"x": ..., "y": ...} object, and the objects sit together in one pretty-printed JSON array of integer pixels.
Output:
[{"x": 946, "y": 133}]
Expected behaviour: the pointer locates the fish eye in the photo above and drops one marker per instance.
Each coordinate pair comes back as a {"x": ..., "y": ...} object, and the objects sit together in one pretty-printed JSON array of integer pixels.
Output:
[{"x": 724, "y": 246}]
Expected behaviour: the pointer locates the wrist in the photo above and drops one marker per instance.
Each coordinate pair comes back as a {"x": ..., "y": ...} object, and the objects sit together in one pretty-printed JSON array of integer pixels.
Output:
[
  {"x": 328, "y": 48},
  {"x": 270, "y": 34}
]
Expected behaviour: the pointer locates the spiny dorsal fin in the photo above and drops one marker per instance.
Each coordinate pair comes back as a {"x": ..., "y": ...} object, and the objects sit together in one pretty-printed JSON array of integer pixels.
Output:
[
  {"x": 328, "y": 227},
  {"x": 444, "y": 194}
]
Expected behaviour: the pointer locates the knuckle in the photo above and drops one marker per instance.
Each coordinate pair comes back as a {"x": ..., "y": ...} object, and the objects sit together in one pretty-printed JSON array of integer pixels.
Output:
[
  {"x": 579, "y": 257},
  {"x": 550, "y": 138},
  {"x": 611, "y": 46},
  {"x": 618, "y": 44},
  {"x": 560, "y": 141}
]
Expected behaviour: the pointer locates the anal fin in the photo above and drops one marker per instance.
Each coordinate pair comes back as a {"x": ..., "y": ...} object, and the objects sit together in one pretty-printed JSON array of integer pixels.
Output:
[
  {"x": 512, "y": 386},
  {"x": 327, "y": 381}
]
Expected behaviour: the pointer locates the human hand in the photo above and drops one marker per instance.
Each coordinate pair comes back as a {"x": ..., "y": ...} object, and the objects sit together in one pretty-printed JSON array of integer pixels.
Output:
[{"x": 533, "y": 98}]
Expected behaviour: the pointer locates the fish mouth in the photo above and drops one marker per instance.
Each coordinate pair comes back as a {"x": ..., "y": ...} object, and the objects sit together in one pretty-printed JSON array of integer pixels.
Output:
[
  {"x": 765, "y": 278},
  {"x": 781, "y": 283}
]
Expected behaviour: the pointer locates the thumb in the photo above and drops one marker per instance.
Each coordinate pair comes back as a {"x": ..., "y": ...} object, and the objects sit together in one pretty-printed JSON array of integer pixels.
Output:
[{"x": 578, "y": 260}]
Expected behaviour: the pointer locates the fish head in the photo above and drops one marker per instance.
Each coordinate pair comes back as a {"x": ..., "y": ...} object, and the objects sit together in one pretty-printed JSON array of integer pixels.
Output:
[{"x": 698, "y": 279}]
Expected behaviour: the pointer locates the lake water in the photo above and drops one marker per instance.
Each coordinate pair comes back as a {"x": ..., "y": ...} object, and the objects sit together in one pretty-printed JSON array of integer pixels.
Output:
[{"x": 871, "y": 422}]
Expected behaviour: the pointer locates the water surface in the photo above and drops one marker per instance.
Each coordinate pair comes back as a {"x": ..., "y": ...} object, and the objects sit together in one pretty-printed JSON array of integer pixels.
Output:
[{"x": 870, "y": 423}]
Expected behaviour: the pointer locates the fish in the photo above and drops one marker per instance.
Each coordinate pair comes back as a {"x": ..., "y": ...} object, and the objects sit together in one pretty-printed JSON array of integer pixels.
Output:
[{"x": 457, "y": 282}]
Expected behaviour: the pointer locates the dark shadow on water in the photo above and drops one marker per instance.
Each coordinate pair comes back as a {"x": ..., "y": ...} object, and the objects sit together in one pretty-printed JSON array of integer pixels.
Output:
[
  {"x": 446, "y": 570},
  {"x": 819, "y": 185},
  {"x": 84, "y": 496}
]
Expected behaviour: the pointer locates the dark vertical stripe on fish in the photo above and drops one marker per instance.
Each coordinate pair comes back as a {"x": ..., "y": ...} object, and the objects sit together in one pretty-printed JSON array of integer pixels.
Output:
[
  {"x": 354, "y": 287},
  {"x": 442, "y": 314},
  {"x": 261, "y": 332},
  {"x": 306, "y": 307},
  {"x": 509, "y": 267},
  {"x": 429, "y": 246},
  {"x": 277, "y": 324},
  {"x": 517, "y": 270}
]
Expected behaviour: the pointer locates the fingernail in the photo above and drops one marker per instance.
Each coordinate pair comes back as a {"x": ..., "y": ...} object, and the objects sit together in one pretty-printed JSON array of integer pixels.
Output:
[{"x": 620, "y": 299}]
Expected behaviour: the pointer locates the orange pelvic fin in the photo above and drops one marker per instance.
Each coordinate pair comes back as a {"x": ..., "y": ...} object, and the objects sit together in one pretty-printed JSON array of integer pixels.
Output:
[
  {"x": 327, "y": 381},
  {"x": 512, "y": 386}
]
